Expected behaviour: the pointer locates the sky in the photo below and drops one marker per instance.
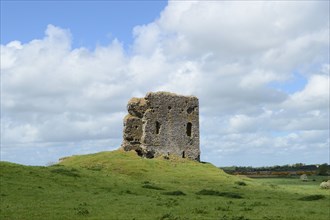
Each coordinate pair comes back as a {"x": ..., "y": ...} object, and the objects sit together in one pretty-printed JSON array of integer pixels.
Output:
[{"x": 259, "y": 68}]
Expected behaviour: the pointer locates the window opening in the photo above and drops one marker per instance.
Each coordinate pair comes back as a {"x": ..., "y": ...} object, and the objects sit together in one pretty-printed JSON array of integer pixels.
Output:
[
  {"x": 189, "y": 125},
  {"x": 157, "y": 127}
]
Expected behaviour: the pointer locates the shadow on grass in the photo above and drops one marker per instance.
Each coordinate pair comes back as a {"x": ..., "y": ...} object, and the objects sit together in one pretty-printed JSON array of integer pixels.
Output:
[
  {"x": 174, "y": 193},
  {"x": 207, "y": 192},
  {"x": 240, "y": 183},
  {"x": 312, "y": 198},
  {"x": 147, "y": 186},
  {"x": 72, "y": 172}
]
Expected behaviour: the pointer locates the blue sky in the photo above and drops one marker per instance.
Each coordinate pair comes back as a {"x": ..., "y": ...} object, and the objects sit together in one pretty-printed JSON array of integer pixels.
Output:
[
  {"x": 296, "y": 83},
  {"x": 91, "y": 23},
  {"x": 259, "y": 68}
]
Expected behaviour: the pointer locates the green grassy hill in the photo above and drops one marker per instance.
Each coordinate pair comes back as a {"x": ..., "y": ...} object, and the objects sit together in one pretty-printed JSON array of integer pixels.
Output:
[{"x": 121, "y": 185}]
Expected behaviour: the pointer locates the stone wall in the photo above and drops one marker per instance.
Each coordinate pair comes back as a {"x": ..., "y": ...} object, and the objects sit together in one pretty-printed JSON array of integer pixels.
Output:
[{"x": 162, "y": 123}]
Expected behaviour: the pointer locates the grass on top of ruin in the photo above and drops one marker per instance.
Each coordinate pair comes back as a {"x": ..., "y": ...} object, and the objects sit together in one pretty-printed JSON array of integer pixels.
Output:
[{"x": 122, "y": 185}]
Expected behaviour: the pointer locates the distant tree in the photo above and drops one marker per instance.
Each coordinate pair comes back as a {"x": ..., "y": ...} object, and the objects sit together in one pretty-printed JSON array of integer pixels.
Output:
[
  {"x": 323, "y": 169},
  {"x": 298, "y": 165}
]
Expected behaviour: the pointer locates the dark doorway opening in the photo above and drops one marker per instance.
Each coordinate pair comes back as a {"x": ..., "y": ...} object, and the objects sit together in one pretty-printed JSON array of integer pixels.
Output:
[
  {"x": 139, "y": 152},
  {"x": 183, "y": 154}
]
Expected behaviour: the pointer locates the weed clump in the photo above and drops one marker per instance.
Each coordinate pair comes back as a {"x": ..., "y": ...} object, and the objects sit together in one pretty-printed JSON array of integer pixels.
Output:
[
  {"x": 56, "y": 165},
  {"x": 200, "y": 211},
  {"x": 225, "y": 209},
  {"x": 107, "y": 189},
  {"x": 96, "y": 167},
  {"x": 174, "y": 193},
  {"x": 312, "y": 198},
  {"x": 217, "y": 193},
  {"x": 240, "y": 183},
  {"x": 225, "y": 217},
  {"x": 168, "y": 216},
  {"x": 129, "y": 192},
  {"x": 168, "y": 203},
  {"x": 81, "y": 209},
  {"x": 255, "y": 204}
]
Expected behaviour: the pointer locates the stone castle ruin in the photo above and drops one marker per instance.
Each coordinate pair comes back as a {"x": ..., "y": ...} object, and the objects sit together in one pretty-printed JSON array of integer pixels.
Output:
[{"x": 162, "y": 123}]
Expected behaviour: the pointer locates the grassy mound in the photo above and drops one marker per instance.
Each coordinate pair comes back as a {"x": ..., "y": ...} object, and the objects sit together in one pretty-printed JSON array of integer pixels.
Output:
[{"x": 122, "y": 185}]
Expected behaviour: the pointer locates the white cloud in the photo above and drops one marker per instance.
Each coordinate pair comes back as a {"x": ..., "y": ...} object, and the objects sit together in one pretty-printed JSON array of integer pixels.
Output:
[
  {"x": 226, "y": 53},
  {"x": 52, "y": 93},
  {"x": 314, "y": 96}
]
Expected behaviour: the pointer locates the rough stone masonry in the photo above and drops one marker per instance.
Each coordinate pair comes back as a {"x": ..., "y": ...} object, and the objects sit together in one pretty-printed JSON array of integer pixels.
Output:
[{"x": 162, "y": 123}]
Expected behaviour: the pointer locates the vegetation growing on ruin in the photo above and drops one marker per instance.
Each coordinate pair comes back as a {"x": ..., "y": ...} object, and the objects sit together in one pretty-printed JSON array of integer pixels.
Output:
[{"x": 122, "y": 185}]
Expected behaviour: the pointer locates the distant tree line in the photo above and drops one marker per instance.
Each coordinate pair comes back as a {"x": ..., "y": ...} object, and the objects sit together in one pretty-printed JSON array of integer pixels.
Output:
[{"x": 293, "y": 169}]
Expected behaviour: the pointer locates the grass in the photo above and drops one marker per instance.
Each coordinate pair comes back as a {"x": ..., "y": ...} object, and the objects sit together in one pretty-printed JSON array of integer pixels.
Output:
[{"x": 121, "y": 185}]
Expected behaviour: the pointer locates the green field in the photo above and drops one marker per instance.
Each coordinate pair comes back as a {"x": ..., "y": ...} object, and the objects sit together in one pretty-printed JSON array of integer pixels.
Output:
[{"x": 121, "y": 185}]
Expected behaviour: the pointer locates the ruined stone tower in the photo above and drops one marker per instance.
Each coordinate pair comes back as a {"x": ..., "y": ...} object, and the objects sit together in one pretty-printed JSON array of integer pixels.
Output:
[{"x": 162, "y": 123}]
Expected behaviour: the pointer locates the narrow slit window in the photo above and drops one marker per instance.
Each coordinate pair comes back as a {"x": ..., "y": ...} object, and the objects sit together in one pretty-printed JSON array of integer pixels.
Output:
[
  {"x": 189, "y": 125},
  {"x": 157, "y": 127}
]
